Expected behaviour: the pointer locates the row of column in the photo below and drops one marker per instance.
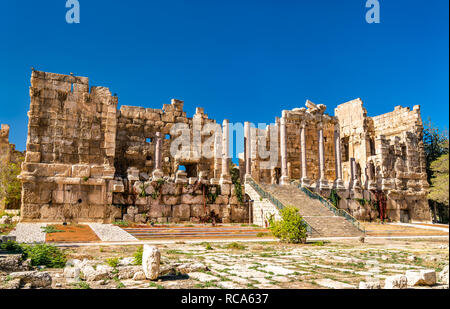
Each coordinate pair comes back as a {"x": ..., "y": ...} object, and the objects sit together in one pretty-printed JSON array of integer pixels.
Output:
[
  {"x": 283, "y": 151},
  {"x": 225, "y": 176},
  {"x": 323, "y": 183}
]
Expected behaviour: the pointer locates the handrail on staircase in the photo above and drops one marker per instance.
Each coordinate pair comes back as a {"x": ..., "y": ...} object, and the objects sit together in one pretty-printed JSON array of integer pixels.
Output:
[
  {"x": 264, "y": 194},
  {"x": 334, "y": 209}
]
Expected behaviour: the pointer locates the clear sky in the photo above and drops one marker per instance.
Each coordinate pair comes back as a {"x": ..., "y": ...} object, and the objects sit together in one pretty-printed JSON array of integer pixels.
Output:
[{"x": 244, "y": 60}]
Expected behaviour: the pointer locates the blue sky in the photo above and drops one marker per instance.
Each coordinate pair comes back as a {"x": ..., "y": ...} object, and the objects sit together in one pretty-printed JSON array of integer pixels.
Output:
[{"x": 242, "y": 60}]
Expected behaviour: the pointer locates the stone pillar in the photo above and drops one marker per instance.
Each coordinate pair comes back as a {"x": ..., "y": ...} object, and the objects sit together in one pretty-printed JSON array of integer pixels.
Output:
[
  {"x": 354, "y": 172},
  {"x": 283, "y": 150},
  {"x": 225, "y": 177},
  {"x": 323, "y": 183},
  {"x": 157, "y": 172},
  {"x": 217, "y": 155},
  {"x": 337, "y": 145},
  {"x": 247, "y": 149},
  {"x": 305, "y": 181}
]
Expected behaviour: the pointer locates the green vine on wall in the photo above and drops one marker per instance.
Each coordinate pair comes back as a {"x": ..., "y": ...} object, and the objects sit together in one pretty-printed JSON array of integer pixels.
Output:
[
  {"x": 334, "y": 198},
  {"x": 213, "y": 194}
]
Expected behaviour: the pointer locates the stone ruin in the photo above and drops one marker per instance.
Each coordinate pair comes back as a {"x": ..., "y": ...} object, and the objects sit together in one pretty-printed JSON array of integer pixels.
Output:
[
  {"x": 88, "y": 161},
  {"x": 365, "y": 160}
]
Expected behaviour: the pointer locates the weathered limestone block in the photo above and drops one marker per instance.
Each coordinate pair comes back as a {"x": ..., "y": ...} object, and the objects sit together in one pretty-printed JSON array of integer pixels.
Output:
[
  {"x": 81, "y": 171},
  {"x": 170, "y": 199},
  {"x": 151, "y": 262},
  {"x": 182, "y": 212},
  {"x": 34, "y": 157},
  {"x": 35, "y": 279},
  {"x": 156, "y": 211},
  {"x": 396, "y": 282},
  {"x": 443, "y": 275},
  {"x": 191, "y": 199},
  {"x": 197, "y": 210},
  {"x": 422, "y": 277}
]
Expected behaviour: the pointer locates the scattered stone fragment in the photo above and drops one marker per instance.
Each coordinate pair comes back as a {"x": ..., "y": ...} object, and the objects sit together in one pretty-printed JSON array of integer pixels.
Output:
[
  {"x": 443, "y": 275},
  {"x": 72, "y": 272},
  {"x": 396, "y": 282},
  {"x": 421, "y": 277},
  {"x": 370, "y": 284},
  {"x": 33, "y": 279},
  {"x": 151, "y": 262}
]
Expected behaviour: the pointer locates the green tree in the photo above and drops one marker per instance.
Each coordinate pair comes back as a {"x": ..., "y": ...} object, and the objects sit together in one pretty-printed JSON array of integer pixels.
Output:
[
  {"x": 10, "y": 186},
  {"x": 439, "y": 181},
  {"x": 436, "y": 155}
]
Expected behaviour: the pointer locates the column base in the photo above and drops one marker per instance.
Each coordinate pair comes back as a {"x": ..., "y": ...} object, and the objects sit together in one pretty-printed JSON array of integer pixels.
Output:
[
  {"x": 284, "y": 181},
  {"x": 339, "y": 184},
  {"x": 157, "y": 174},
  {"x": 306, "y": 182},
  {"x": 225, "y": 179},
  {"x": 323, "y": 184},
  {"x": 247, "y": 177},
  {"x": 372, "y": 185},
  {"x": 356, "y": 185},
  {"x": 214, "y": 181},
  {"x": 181, "y": 177}
]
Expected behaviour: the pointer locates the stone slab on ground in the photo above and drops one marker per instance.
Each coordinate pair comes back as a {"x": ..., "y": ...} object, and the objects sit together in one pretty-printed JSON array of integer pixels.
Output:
[
  {"x": 332, "y": 284},
  {"x": 202, "y": 277},
  {"x": 110, "y": 232}
]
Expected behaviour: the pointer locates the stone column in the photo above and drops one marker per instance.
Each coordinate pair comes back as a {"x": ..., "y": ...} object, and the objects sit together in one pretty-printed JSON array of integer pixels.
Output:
[
  {"x": 225, "y": 177},
  {"x": 323, "y": 183},
  {"x": 283, "y": 150},
  {"x": 157, "y": 172},
  {"x": 337, "y": 145},
  {"x": 217, "y": 155},
  {"x": 354, "y": 172},
  {"x": 305, "y": 180},
  {"x": 247, "y": 149}
]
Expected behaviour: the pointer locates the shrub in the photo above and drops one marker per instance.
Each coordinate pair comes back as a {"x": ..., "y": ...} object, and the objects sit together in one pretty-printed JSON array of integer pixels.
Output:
[
  {"x": 11, "y": 246},
  {"x": 49, "y": 229},
  {"x": 113, "y": 262},
  {"x": 209, "y": 247},
  {"x": 291, "y": 228},
  {"x": 235, "y": 245},
  {"x": 138, "y": 256},
  {"x": 47, "y": 255},
  {"x": 121, "y": 223}
]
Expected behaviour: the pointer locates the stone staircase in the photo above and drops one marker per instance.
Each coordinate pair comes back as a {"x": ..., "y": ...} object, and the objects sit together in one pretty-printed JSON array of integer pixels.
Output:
[{"x": 322, "y": 220}]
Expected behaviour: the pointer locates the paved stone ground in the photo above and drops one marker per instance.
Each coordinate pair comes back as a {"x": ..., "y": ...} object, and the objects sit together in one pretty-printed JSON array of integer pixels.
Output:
[
  {"x": 271, "y": 265},
  {"x": 29, "y": 232}
]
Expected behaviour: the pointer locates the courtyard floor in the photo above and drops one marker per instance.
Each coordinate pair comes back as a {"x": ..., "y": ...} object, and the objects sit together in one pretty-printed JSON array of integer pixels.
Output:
[{"x": 337, "y": 264}]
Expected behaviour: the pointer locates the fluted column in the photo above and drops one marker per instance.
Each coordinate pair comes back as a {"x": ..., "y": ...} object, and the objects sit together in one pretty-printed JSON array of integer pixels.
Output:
[
  {"x": 157, "y": 172},
  {"x": 247, "y": 149},
  {"x": 217, "y": 155},
  {"x": 337, "y": 145},
  {"x": 305, "y": 180},
  {"x": 354, "y": 169},
  {"x": 283, "y": 151},
  {"x": 322, "y": 181},
  {"x": 225, "y": 177}
]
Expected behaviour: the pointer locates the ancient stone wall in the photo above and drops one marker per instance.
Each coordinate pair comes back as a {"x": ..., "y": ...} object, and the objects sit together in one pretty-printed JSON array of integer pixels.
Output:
[
  {"x": 383, "y": 153},
  {"x": 88, "y": 161}
]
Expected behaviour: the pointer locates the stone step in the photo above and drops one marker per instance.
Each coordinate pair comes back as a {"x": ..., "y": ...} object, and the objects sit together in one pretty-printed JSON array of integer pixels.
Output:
[{"x": 322, "y": 220}]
